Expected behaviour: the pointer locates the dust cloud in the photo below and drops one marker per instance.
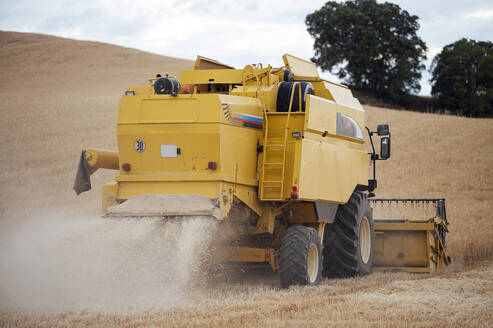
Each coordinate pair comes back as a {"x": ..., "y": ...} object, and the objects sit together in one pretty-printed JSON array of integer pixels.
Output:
[{"x": 59, "y": 262}]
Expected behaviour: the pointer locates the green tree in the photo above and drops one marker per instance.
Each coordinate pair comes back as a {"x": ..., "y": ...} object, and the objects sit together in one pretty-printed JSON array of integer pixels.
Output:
[
  {"x": 372, "y": 47},
  {"x": 462, "y": 77}
]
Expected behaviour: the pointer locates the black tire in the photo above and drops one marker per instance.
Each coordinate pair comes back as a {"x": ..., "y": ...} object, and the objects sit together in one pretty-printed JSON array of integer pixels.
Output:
[
  {"x": 288, "y": 76},
  {"x": 284, "y": 96},
  {"x": 298, "y": 247},
  {"x": 347, "y": 252}
]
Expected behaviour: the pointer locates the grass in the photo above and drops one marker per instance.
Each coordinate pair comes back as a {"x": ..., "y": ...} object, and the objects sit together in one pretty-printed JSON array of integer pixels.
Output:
[{"x": 60, "y": 95}]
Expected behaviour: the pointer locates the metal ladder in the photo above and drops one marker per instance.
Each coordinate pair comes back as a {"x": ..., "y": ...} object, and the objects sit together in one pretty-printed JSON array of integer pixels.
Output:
[{"x": 276, "y": 187}]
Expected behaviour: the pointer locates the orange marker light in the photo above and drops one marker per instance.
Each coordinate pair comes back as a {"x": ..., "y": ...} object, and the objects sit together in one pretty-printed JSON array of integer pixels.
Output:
[{"x": 185, "y": 89}]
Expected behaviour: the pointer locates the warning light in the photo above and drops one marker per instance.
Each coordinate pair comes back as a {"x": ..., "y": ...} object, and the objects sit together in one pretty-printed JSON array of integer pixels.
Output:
[
  {"x": 185, "y": 89},
  {"x": 294, "y": 193},
  {"x": 212, "y": 165}
]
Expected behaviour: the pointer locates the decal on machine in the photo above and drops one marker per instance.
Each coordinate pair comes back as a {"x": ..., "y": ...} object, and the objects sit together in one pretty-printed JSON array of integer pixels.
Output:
[
  {"x": 139, "y": 145},
  {"x": 227, "y": 111},
  {"x": 249, "y": 121},
  {"x": 241, "y": 119}
]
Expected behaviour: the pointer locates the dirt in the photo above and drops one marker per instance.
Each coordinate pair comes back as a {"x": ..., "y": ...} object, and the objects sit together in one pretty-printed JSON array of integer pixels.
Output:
[{"x": 67, "y": 261}]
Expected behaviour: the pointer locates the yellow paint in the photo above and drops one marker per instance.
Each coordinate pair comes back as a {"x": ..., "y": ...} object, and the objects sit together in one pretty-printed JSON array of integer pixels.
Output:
[
  {"x": 301, "y": 69},
  {"x": 216, "y": 76},
  {"x": 104, "y": 159}
]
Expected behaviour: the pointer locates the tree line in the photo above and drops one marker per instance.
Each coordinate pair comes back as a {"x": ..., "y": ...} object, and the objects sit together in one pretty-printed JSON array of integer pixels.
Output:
[{"x": 375, "y": 49}]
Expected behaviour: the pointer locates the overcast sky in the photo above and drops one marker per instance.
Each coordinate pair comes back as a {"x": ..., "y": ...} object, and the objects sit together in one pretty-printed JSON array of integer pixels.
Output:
[{"x": 234, "y": 32}]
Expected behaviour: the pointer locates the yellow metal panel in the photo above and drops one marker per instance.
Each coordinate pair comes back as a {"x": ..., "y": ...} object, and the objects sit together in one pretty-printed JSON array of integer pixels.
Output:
[
  {"x": 126, "y": 190},
  {"x": 239, "y": 153},
  {"x": 248, "y": 195},
  {"x": 412, "y": 246},
  {"x": 236, "y": 254},
  {"x": 331, "y": 166},
  {"x": 401, "y": 249},
  {"x": 301, "y": 69},
  {"x": 303, "y": 212},
  {"x": 198, "y": 143},
  {"x": 321, "y": 90},
  {"x": 321, "y": 115},
  {"x": 169, "y": 109},
  {"x": 100, "y": 158},
  {"x": 330, "y": 172},
  {"x": 205, "y": 76},
  {"x": 343, "y": 96},
  {"x": 208, "y": 63},
  {"x": 406, "y": 226}
]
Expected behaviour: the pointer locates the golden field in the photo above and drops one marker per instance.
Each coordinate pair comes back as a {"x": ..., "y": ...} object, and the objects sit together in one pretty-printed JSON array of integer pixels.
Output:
[{"x": 61, "y": 95}]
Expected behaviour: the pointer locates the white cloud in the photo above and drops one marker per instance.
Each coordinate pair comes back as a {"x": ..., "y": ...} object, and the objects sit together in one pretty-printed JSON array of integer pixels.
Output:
[
  {"x": 482, "y": 14},
  {"x": 233, "y": 32}
]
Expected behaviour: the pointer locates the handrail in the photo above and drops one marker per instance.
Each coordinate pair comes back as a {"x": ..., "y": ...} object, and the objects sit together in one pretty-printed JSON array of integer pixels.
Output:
[{"x": 266, "y": 137}]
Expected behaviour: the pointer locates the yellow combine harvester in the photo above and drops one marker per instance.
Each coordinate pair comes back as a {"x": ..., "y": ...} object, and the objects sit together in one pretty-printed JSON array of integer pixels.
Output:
[{"x": 277, "y": 152}]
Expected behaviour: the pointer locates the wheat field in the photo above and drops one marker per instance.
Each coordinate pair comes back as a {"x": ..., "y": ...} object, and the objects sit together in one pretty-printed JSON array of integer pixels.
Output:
[{"x": 61, "y": 95}]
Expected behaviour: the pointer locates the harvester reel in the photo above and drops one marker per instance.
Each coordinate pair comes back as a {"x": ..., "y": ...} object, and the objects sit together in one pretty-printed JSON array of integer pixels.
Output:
[
  {"x": 301, "y": 257},
  {"x": 349, "y": 242}
]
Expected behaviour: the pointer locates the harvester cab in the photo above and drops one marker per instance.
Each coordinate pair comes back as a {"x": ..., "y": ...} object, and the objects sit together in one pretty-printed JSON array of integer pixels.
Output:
[{"x": 277, "y": 152}]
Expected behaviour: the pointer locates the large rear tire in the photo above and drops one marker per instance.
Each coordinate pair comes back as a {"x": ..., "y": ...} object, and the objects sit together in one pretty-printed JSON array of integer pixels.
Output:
[
  {"x": 300, "y": 260},
  {"x": 349, "y": 242}
]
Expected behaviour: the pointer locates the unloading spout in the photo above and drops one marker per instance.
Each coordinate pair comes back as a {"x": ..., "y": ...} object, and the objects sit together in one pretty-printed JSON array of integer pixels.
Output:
[{"x": 90, "y": 160}]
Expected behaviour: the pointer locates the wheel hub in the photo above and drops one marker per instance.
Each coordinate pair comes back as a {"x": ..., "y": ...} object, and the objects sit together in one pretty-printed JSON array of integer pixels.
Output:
[
  {"x": 313, "y": 263},
  {"x": 365, "y": 240}
]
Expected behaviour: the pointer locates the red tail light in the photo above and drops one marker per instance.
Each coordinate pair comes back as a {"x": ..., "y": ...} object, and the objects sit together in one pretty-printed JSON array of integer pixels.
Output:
[
  {"x": 185, "y": 89},
  {"x": 126, "y": 167},
  {"x": 294, "y": 192},
  {"x": 212, "y": 165}
]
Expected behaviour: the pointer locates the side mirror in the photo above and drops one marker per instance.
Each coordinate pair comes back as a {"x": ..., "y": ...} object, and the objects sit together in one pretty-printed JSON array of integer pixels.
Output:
[
  {"x": 385, "y": 148},
  {"x": 383, "y": 129}
]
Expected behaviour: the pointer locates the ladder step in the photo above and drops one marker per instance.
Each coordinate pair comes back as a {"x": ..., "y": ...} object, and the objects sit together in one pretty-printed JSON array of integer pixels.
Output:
[
  {"x": 273, "y": 166},
  {"x": 274, "y": 145},
  {"x": 272, "y": 182},
  {"x": 273, "y": 163}
]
